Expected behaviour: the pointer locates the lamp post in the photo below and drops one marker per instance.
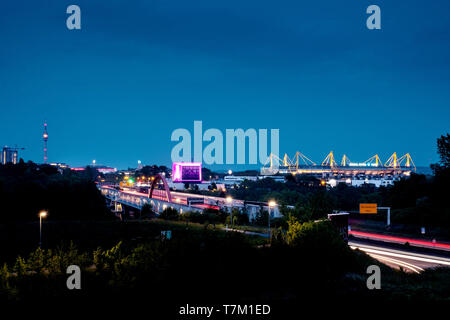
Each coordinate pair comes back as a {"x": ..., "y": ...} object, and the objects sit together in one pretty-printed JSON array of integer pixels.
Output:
[
  {"x": 272, "y": 204},
  {"x": 42, "y": 214},
  {"x": 229, "y": 200}
]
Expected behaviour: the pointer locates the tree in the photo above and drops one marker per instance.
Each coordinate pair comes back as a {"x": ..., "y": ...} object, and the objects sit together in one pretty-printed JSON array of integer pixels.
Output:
[
  {"x": 67, "y": 196},
  {"x": 213, "y": 186},
  {"x": 262, "y": 217},
  {"x": 169, "y": 214},
  {"x": 90, "y": 173},
  {"x": 443, "y": 146},
  {"x": 147, "y": 211}
]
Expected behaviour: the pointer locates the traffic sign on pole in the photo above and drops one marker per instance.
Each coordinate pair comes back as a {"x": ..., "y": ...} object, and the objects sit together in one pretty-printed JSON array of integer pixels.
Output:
[{"x": 367, "y": 208}]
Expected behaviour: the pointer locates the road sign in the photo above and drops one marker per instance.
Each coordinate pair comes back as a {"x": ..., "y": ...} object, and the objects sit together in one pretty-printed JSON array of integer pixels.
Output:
[
  {"x": 367, "y": 208},
  {"x": 166, "y": 235}
]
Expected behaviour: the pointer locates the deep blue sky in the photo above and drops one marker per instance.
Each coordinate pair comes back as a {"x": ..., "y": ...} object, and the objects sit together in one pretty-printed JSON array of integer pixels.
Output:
[{"x": 115, "y": 90}]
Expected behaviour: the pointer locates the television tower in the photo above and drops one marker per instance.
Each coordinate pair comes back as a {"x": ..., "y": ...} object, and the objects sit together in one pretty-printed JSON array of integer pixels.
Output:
[{"x": 45, "y": 136}]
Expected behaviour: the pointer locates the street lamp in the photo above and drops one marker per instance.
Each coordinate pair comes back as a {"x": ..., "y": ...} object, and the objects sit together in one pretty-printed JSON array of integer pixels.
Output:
[
  {"x": 42, "y": 214},
  {"x": 230, "y": 172},
  {"x": 272, "y": 204},
  {"x": 229, "y": 200}
]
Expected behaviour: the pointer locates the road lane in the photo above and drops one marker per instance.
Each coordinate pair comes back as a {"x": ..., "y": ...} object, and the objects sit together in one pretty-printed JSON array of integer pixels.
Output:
[{"x": 409, "y": 261}]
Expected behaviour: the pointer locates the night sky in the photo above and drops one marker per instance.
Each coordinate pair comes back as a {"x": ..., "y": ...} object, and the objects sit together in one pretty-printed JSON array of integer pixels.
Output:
[{"x": 137, "y": 70}]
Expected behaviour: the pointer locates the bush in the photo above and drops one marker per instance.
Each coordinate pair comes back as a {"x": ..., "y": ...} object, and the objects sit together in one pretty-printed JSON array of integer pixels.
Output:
[
  {"x": 321, "y": 242},
  {"x": 169, "y": 214},
  {"x": 147, "y": 212},
  {"x": 201, "y": 217}
]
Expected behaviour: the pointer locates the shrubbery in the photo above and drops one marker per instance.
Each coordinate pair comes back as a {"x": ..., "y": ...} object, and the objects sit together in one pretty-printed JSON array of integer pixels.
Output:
[
  {"x": 309, "y": 262},
  {"x": 27, "y": 188},
  {"x": 169, "y": 214}
]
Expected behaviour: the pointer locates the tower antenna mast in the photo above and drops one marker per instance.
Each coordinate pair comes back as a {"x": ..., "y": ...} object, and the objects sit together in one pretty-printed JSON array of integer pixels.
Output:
[{"x": 45, "y": 137}]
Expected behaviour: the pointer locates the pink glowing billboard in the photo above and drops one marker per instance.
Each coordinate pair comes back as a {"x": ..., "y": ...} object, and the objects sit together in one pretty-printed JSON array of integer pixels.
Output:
[{"x": 187, "y": 172}]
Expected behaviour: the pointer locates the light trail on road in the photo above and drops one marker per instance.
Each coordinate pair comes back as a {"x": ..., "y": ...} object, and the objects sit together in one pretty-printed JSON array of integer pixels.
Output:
[
  {"x": 415, "y": 262},
  {"x": 413, "y": 242},
  {"x": 409, "y": 266}
]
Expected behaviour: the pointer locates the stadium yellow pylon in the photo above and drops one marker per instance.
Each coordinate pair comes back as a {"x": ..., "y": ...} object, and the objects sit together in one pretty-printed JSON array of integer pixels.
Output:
[
  {"x": 409, "y": 161},
  {"x": 329, "y": 161},
  {"x": 306, "y": 161},
  {"x": 300, "y": 161},
  {"x": 375, "y": 158},
  {"x": 345, "y": 161},
  {"x": 392, "y": 161},
  {"x": 286, "y": 160}
]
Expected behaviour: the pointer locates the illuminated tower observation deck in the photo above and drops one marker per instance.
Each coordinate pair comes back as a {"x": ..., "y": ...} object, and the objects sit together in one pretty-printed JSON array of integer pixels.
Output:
[{"x": 45, "y": 137}]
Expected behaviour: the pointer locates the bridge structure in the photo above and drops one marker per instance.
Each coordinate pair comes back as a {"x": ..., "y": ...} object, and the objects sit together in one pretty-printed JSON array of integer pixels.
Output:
[
  {"x": 159, "y": 197},
  {"x": 137, "y": 200},
  {"x": 301, "y": 164}
]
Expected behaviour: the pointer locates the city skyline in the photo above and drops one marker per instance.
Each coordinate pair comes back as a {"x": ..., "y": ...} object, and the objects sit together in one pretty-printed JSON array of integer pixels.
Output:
[{"x": 115, "y": 90}]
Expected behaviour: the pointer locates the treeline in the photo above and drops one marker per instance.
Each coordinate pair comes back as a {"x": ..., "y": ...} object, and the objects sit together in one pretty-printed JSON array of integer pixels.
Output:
[
  {"x": 27, "y": 188},
  {"x": 418, "y": 199},
  {"x": 206, "y": 217}
]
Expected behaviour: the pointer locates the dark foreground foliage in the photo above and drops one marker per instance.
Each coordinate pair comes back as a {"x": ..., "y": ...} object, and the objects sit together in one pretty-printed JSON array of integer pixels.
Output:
[
  {"x": 27, "y": 188},
  {"x": 308, "y": 264}
]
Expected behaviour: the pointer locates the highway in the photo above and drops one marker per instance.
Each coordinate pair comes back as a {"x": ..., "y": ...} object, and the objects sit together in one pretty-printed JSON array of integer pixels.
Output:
[
  {"x": 390, "y": 250},
  {"x": 400, "y": 240},
  {"x": 408, "y": 260}
]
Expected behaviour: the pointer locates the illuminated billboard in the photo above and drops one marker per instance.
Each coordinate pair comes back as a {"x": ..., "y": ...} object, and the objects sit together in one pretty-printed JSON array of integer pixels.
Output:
[{"x": 187, "y": 172}]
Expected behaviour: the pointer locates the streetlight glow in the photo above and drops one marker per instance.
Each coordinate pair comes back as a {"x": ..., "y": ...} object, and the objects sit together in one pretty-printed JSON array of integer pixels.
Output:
[
  {"x": 271, "y": 204},
  {"x": 229, "y": 200},
  {"x": 42, "y": 214}
]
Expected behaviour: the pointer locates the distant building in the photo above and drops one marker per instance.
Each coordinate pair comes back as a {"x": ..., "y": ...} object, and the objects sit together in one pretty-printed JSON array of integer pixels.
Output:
[
  {"x": 9, "y": 155},
  {"x": 100, "y": 168},
  {"x": 230, "y": 179}
]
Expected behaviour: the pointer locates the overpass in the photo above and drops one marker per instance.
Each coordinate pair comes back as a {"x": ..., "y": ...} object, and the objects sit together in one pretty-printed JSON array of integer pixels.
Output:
[
  {"x": 137, "y": 200},
  {"x": 160, "y": 197}
]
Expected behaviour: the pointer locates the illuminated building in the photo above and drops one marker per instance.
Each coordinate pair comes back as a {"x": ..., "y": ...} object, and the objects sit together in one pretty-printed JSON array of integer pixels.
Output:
[
  {"x": 9, "y": 155},
  {"x": 373, "y": 167}
]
